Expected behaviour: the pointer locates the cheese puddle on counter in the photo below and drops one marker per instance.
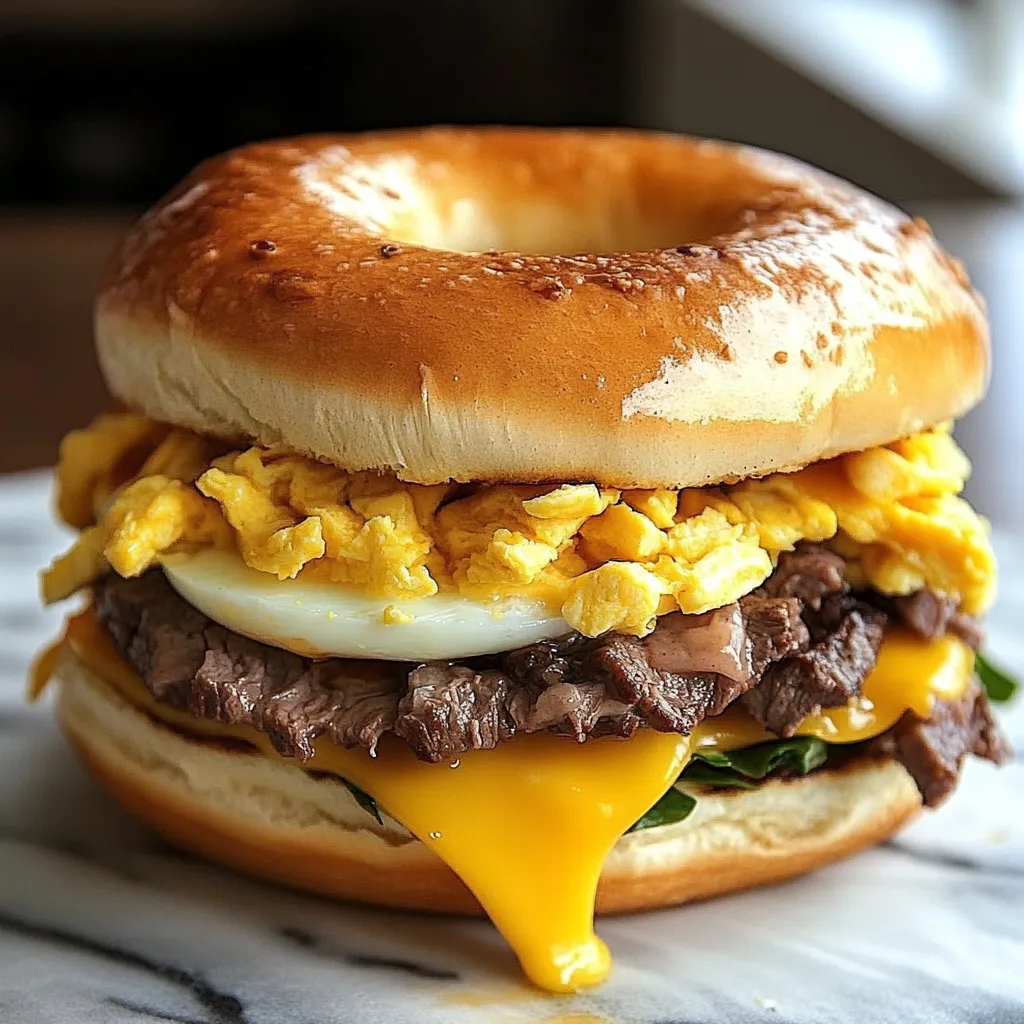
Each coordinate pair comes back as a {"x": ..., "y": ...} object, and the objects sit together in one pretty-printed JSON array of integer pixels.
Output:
[{"x": 527, "y": 826}]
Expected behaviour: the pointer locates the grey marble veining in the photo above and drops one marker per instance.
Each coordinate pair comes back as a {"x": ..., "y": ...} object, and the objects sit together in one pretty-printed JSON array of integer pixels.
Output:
[{"x": 101, "y": 922}]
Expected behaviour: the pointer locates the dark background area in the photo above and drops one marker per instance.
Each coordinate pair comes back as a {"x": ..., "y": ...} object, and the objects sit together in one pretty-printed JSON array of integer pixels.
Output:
[
  {"x": 95, "y": 116},
  {"x": 104, "y": 105},
  {"x": 111, "y": 110}
]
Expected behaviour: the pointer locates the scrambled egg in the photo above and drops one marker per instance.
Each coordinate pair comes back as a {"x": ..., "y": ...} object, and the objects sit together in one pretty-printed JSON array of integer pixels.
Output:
[{"x": 605, "y": 559}]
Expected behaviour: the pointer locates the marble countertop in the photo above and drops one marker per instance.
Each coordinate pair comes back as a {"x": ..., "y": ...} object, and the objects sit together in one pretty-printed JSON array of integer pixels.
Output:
[{"x": 102, "y": 922}]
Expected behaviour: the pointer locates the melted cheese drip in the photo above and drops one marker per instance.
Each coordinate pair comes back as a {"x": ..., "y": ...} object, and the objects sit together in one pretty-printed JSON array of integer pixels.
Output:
[{"x": 527, "y": 826}]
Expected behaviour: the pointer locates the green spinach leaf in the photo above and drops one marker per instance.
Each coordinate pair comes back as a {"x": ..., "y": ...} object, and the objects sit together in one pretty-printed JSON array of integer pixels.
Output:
[
  {"x": 707, "y": 775},
  {"x": 998, "y": 685},
  {"x": 800, "y": 754},
  {"x": 365, "y": 801},
  {"x": 735, "y": 769},
  {"x": 674, "y": 806}
]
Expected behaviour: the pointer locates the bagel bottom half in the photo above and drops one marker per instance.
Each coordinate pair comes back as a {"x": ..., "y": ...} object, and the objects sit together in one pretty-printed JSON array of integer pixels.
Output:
[{"x": 269, "y": 818}]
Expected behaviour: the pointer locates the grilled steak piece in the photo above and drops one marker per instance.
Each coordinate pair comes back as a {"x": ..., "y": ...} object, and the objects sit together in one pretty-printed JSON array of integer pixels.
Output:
[
  {"x": 931, "y": 615},
  {"x": 826, "y": 674},
  {"x": 933, "y": 749}
]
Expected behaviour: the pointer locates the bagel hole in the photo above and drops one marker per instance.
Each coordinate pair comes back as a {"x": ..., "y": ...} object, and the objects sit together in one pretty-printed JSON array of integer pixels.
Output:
[
  {"x": 505, "y": 207},
  {"x": 471, "y": 225}
]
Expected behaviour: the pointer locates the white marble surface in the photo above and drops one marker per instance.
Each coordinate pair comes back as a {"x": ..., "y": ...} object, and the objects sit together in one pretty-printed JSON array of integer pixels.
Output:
[{"x": 101, "y": 922}]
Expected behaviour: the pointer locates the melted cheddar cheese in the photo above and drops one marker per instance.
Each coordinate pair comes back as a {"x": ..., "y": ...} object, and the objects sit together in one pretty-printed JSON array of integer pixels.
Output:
[{"x": 528, "y": 825}]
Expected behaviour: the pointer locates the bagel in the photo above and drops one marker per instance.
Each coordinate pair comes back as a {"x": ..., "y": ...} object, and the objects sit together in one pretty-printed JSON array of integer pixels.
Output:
[
  {"x": 530, "y": 305},
  {"x": 409, "y": 490}
]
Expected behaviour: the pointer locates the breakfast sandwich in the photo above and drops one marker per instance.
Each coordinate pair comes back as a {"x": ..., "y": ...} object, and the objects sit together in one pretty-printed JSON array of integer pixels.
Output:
[{"x": 527, "y": 522}]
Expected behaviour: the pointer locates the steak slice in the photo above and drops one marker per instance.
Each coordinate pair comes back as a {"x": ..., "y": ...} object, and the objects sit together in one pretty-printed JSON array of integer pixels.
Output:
[
  {"x": 656, "y": 676},
  {"x": 809, "y": 573},
  {"x": 161, "y": 636},
  {"x": 667, "y": 701},
  {"x": 933, "y": 749},
  {"x": 829, "y": 673},
  {"x": 569, "y": 696},
  {"x": 925, "y": 613},
  {"x": 774, "y": 629},
  {"x": 931, "y": 615},
  {"x": 449, "y": 709},
  {"x": 714, "y": 642}
]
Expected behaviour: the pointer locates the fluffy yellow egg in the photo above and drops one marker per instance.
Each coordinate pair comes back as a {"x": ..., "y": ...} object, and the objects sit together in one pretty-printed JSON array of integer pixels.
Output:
[
  {"x": 144, "y": 493},
  {"x": 618, "y": 595}
]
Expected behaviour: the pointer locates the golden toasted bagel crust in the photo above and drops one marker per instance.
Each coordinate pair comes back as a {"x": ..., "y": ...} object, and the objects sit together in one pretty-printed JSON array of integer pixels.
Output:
[
  {"x": 273, "y": 820},
  {"x": 410, "y": 301}
]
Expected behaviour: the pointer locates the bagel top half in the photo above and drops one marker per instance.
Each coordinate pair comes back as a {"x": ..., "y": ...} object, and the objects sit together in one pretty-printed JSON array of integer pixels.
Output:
[{"x": 528, "y": 305}]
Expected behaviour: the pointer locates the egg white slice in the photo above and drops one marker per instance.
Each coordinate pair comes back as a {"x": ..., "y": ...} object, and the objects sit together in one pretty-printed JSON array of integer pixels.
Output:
[{"x": 331, "y": 619}]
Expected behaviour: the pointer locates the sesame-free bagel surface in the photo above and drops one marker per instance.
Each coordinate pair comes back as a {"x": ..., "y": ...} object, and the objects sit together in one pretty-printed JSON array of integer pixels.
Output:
[{"x": 535, "y": 305}]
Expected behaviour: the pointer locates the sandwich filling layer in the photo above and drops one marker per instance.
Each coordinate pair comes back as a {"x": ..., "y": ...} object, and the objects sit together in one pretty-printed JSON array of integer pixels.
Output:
[
  {"x": 710, "y": 636},
  {"x": 800, "y": 644}
]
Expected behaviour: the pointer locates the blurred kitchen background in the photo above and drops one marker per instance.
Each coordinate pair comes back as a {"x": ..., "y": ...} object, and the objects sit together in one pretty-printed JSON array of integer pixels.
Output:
[{"x": 105, "y": 103}]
